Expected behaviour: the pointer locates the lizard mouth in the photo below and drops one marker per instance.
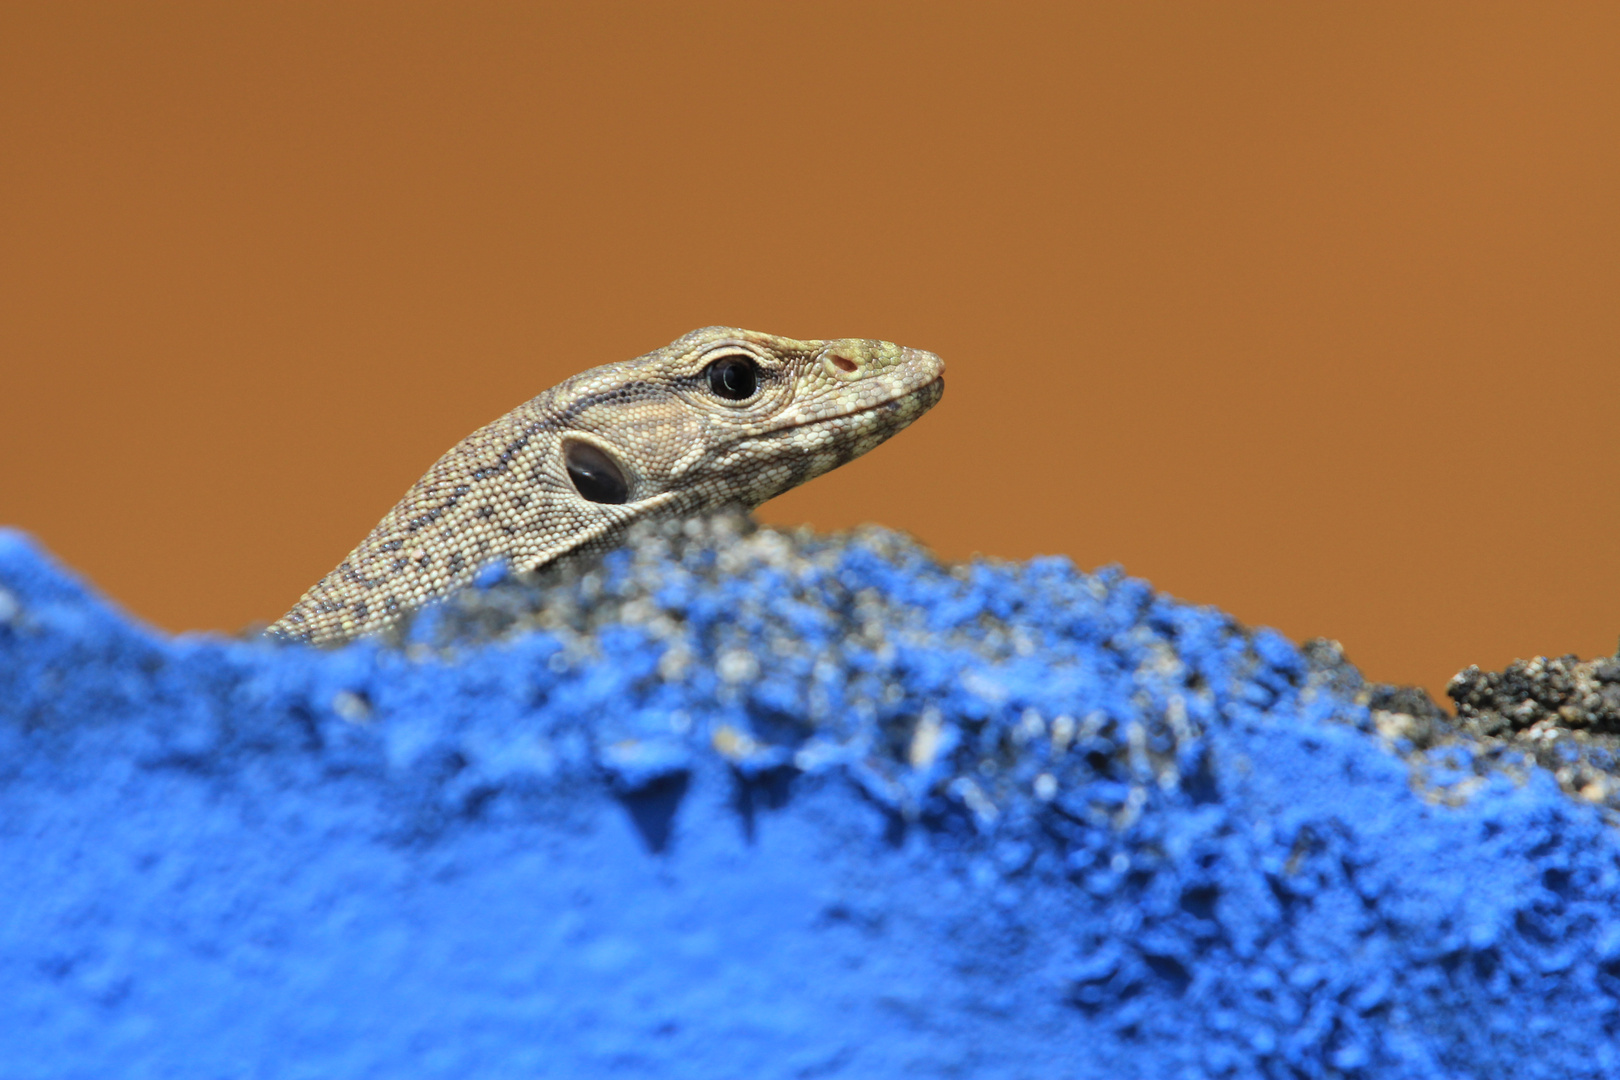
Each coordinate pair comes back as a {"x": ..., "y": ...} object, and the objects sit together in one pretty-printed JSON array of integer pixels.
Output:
[
  {"x": 888, "y": 417},
  {"x": 835, "y": 440},
  {"x": 932, "y": 391},
  {"x": 913, "y": 400}
]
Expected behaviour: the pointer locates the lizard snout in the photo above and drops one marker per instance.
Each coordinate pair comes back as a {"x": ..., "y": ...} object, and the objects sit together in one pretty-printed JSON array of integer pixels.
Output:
[{"x": 924, "y": 361}]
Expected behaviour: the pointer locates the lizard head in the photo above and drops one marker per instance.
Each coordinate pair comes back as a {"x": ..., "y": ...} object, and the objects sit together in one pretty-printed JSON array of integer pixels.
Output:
[
  {"x": 725, "y": 416},
  {"x": 720, "y": 417}
]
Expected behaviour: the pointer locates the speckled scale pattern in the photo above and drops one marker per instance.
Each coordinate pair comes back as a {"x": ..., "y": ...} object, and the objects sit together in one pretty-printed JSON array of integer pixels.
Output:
[{"x": 503, "y": 494}]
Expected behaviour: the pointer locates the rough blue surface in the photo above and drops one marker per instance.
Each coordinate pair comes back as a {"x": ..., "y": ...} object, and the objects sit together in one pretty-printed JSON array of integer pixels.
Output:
[{"x": 776, "y": 808}]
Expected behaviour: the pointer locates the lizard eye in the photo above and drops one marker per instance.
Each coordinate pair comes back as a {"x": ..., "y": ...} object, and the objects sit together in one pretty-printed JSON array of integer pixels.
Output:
[
  {"x": 596, "y": 476},
  {"x": 733, "y": 377}
]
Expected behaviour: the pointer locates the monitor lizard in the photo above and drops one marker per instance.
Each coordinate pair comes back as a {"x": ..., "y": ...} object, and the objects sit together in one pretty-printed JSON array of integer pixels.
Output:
[{"x": 720, "y": 417}]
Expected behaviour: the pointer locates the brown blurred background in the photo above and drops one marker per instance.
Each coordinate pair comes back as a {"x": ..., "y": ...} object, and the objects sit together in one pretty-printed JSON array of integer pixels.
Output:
[{"x": 1308, "y": 311}]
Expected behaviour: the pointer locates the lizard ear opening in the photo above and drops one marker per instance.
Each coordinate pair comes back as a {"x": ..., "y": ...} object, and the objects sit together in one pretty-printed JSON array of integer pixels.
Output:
[{"x": 596, "y": 476}]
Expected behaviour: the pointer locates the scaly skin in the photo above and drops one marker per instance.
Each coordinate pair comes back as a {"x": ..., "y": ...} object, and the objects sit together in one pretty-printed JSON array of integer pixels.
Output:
[{"x": 505, "y": 492}]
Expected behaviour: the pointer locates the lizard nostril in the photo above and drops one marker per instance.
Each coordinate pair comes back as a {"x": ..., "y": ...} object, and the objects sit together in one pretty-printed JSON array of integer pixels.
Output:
[
  {"x": 842, "y": 363},
  {"x": 596, "y": 476}
]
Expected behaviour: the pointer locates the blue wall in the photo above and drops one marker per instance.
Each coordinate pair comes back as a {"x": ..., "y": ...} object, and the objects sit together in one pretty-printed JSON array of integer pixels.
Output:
[{"x": 875, "y": 819}]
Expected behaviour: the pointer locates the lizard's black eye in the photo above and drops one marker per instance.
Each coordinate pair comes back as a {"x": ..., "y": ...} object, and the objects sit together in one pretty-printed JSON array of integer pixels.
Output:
[
  {"x": 733, "y": 377},
  {"x": 596, "y": 476}
]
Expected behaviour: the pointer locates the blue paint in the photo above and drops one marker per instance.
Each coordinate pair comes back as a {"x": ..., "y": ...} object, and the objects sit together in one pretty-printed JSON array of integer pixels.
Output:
[{"x": 1053, "y": 825}]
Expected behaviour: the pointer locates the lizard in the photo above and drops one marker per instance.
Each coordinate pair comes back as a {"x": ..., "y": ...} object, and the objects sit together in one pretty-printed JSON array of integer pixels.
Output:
[{"x": 719, "y": 417}]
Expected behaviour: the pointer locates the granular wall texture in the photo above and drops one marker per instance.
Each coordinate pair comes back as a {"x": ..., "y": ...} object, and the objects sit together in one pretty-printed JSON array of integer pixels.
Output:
[
  {"x": 740, "y": 803},
  {"x": 1561, "y": 712}
]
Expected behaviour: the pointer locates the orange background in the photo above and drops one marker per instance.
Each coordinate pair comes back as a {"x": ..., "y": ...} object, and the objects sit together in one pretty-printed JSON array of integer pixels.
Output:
[{"x": 1308, "y": 311}]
